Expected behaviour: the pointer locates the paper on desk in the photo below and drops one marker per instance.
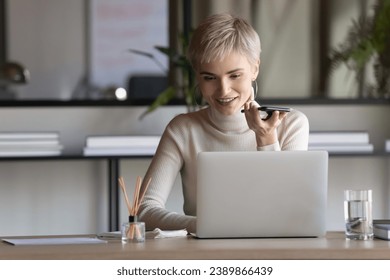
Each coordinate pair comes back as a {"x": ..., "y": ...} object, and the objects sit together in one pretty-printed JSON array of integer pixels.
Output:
[
  {"x": 54, "y": 241},
  {"x": 154, "y": 234},
  {"x": 158, "y": 233},
  {"x": 110, "y": 235}
]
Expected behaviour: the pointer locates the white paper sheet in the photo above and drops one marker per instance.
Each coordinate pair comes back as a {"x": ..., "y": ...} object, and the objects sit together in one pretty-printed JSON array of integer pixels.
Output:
[
  {"x": 154, "y": 234},
  {"x": 158, "y": 233},
  {"x": 54, "y": 241}
]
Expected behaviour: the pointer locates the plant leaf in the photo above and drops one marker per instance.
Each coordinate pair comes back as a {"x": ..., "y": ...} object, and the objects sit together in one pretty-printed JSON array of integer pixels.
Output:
[
  {"x": 176, "y": 58},
  {"x": 141, "y": 53},
  {"x": 165, "y": 50},
  {"x": 162, "y": 99}
]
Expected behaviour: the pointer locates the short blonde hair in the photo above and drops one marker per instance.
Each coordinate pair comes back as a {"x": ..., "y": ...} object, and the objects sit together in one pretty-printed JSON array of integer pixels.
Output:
[{"x": 221, "y": 34}]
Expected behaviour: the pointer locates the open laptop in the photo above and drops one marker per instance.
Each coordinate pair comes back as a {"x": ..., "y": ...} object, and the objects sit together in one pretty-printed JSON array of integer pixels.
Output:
[{"x": 261, "y": 194}]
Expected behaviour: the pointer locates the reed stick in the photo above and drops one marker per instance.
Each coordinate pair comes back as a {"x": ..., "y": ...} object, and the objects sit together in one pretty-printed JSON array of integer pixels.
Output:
[
  {"x": 143, "y": 193},
  {"x": 134, "y": 208},
  {"x": 123, "y": 187},
  {"x": 137, "y": 198}
]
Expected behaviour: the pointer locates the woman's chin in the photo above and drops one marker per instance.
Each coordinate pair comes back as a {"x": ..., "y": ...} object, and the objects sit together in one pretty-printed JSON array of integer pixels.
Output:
[{"x": 228, "y": 110}]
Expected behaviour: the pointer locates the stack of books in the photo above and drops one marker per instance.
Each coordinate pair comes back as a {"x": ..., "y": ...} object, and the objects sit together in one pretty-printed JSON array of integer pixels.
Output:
[
  {"x": 24, "y": 144},
  {"x": 121, "y": 145},
  {"x": 342, "y": 142},
  {"x": 382, "y": 229}
]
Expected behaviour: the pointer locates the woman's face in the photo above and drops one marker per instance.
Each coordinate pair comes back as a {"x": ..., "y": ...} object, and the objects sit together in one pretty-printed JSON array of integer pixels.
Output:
[{"x": 227, "y": 84}]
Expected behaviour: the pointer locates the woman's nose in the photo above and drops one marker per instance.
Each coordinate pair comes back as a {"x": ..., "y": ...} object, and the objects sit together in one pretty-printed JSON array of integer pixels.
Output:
[{"x": 224, "y": 86}]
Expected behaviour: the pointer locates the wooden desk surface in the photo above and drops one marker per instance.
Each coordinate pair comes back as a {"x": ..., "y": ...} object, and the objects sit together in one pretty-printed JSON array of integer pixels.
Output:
[{"x": 333, "y": 246}]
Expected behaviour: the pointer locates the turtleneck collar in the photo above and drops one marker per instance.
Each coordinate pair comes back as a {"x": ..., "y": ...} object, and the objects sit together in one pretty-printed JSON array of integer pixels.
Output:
[{"x": 235, "y": 123}]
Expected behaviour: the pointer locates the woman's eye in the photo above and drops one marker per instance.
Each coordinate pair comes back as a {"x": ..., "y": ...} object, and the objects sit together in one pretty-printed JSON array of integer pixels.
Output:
[
  {"x": 208, "y": 78},
  {"x": 235, "y": 76}
]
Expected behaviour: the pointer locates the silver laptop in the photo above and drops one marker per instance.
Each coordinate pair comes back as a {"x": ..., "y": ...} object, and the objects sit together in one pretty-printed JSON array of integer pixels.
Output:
[{"x": 261, "y": 194}]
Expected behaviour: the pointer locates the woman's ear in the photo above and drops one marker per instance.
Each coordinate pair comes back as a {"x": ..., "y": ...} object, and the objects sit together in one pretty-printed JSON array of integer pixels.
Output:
[{"x": 256, "y": 70}]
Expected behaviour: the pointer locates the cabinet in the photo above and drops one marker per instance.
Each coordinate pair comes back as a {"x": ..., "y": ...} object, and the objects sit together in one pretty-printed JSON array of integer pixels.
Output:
[{"x": 113, "y": 173}]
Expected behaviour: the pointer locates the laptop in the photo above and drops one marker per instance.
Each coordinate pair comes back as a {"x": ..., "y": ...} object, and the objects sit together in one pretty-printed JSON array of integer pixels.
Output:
[{"x": 261, "y": 194}]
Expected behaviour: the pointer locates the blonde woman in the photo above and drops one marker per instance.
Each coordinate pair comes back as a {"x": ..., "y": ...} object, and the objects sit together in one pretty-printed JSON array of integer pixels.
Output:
[{"x": 225, "y": 54}]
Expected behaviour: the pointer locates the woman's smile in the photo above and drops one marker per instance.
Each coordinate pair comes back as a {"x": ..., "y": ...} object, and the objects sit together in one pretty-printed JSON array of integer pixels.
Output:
[{"x": 226, "y": 101}]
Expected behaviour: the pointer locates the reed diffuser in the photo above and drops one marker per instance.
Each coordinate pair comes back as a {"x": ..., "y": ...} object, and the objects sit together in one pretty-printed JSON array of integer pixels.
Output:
[{"x": 133, "y": 230}]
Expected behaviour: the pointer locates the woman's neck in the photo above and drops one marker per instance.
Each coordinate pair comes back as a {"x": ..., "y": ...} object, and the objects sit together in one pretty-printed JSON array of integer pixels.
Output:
[{"x": 235, "y": 123}]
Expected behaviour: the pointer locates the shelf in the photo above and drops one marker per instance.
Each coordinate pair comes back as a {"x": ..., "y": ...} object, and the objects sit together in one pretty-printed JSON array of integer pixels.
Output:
[
  {"x": 97, "y": 157},
  {"x": 375, "y": 154},
  {"x": 113, "y": 168},
  {"x": 73, "y": 157}
]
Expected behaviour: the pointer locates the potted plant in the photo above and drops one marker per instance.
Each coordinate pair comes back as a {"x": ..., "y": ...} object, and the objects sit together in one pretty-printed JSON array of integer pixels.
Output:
[
  {"x": 368, "y": 40},
  {"x": 183, "y": 88}
]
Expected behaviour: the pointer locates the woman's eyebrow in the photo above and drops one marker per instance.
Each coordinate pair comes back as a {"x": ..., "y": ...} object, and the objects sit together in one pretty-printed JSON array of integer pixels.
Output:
[
  {"x": 206, "y": 73},
  {"x": 229, "y": 72},
  {"x": 234, "y": 70}
]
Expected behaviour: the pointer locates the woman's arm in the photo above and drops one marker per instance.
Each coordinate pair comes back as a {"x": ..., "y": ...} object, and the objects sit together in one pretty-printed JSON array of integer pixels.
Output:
[{"x": 163, "y": 170}]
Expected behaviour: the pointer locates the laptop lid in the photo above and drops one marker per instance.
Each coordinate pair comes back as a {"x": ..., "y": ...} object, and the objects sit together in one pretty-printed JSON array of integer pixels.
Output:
[{"x": 261, "y": 194}]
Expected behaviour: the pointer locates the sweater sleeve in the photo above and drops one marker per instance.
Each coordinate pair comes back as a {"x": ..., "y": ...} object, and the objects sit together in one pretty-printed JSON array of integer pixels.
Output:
[
  {"x": 293, "y": 133},
  {"x": 164, "y": 169},
  {"x": 272, "y": 147}
]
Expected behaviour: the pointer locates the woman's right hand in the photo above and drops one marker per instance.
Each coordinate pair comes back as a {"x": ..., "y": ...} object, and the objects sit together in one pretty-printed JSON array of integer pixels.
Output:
[{"x": 265, "y": 130}]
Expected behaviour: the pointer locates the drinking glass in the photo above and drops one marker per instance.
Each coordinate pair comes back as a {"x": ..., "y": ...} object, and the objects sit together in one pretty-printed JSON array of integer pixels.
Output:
[{"x": 358, "y": 214}]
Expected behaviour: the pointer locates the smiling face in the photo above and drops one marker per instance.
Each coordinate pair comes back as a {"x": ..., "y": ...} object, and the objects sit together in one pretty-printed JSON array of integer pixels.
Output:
[{"x": 227, "y": 84}]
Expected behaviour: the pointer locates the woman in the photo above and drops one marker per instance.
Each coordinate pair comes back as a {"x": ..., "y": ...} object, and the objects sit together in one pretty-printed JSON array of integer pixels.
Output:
[{"x": 225, "y": 54}]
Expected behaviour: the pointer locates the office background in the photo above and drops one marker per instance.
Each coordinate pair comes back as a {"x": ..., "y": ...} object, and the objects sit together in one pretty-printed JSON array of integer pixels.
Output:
[{"x": 71, "y": 196}]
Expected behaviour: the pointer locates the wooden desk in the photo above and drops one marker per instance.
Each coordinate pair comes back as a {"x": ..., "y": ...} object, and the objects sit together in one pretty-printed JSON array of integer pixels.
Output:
[{"x": 333, "y": 246}]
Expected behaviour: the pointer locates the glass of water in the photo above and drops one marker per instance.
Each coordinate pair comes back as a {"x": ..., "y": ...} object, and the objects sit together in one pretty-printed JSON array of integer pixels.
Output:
[{"x": 358, "y": 214}]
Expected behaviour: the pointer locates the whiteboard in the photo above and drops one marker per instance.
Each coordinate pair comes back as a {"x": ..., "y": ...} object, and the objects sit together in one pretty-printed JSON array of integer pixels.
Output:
[{"x": 118, "y": 25}]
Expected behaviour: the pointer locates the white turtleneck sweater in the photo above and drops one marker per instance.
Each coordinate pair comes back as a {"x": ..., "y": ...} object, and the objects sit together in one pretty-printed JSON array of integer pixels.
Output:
[{"x": 204, "y": 130}]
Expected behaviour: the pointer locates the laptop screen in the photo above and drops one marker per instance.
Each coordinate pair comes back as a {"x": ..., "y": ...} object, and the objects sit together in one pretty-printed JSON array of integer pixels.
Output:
[{"x": 262, "y": 194}]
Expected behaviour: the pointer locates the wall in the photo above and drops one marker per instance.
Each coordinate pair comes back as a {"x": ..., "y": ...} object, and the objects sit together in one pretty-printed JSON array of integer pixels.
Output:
[
  {"x": 61, "y": 197},
  {"x": 65, "y": 43},
  {"x": 42, "y": 35}
]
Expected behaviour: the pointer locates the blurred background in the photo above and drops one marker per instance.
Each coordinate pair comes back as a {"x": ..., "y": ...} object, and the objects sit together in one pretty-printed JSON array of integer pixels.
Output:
[
  {"x": 62, "y": 63},
  {"x": 79, "y": 49}
]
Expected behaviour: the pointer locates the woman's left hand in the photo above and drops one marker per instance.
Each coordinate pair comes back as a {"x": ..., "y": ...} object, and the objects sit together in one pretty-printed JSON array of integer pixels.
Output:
[{"x": 265, "y": 130}]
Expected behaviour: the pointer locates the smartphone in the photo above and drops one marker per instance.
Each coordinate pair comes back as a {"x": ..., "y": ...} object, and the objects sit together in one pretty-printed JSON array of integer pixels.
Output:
[
  {"x": 270, "y": 109},
  {"x": 274, "y": 108}
]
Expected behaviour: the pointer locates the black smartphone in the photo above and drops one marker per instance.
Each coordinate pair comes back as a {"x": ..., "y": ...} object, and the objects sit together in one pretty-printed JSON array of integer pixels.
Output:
[
  {"x": 270, "y": 109},
  {"x": 274, "y": 108}
]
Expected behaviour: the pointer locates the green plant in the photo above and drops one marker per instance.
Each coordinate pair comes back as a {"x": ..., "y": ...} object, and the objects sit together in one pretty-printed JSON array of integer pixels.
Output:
[
  {"x": 368, "y": 40},
  {"x": 183, "y": 87}
]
